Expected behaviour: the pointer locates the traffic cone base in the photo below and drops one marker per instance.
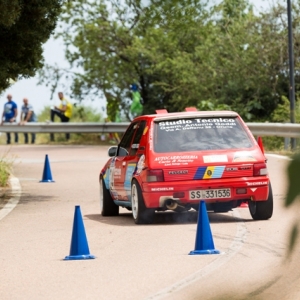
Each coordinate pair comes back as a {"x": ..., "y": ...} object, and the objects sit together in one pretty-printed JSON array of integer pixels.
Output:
[
  {"x": 201, "y": 252},
  {"x": 204, "y": 240},
  {"x": 79, "y": 248},
  {"x": 77, "y": 257},
  {"x": 47, "y": 175}
]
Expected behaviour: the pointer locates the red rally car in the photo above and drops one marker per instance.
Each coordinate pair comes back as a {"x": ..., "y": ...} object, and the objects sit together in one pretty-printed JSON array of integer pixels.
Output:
[{"x": 171, "y": 161}]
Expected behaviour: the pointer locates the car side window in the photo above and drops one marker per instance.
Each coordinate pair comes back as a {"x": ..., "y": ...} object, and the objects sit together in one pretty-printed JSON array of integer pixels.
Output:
[
  {"x": 125, "y": 144},
  {"x": 137, "y": 138}
]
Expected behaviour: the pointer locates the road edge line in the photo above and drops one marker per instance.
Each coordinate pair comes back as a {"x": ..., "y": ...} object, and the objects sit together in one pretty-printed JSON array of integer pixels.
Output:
[{"x": 13, "y": 201}]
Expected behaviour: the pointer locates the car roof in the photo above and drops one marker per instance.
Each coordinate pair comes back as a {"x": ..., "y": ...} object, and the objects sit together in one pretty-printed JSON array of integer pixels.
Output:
[{"x": 163, "y": 114}]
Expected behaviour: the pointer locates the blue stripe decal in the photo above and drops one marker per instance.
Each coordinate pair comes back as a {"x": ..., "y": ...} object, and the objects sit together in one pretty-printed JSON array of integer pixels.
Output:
[
  {"x": 200, "y": 173},
  {"x": 218, "y": 172},
  {"x": 129, "y": 172}
]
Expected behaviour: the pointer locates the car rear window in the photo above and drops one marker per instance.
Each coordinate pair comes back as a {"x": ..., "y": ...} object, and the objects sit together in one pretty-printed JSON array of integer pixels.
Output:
[{"x": 194, "y": 134}]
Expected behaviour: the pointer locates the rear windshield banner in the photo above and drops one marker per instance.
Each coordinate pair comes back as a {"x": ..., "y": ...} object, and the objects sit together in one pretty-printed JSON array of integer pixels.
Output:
[{"x": 189, "y": 124}]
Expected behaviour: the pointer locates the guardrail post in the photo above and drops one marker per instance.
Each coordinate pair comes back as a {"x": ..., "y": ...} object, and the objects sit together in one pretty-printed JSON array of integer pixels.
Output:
[{"x": 287, "y": 143}]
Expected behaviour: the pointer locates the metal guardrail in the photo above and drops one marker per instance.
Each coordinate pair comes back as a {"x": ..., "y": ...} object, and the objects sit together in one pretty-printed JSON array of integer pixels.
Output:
[
  {"x": 288, "y": 130},
  {"x": 259, "y": 129},
  {"x": 49, "y": 127}
]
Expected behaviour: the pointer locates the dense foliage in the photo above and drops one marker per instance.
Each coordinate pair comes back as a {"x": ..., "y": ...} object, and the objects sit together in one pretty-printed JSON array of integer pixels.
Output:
[
  {"x": 180, "y": 53},
  {"x": 24, "y": 26}
]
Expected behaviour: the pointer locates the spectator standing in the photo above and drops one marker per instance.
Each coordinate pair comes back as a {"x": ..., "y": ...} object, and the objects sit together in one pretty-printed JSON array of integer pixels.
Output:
[
  {"x": 9, "y": 115},
  {"x": 63, "y": 111},
  {"x": 27, "y": 115}
]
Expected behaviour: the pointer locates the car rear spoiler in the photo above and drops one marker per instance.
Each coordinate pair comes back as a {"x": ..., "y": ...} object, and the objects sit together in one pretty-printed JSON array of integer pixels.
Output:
[
  {"x": 164, "y": 111},
  {"x": 161, "y": 111}
]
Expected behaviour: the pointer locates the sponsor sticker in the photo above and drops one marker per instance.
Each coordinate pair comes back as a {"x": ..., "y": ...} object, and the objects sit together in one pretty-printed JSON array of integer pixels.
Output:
[
  {"x": 151, "y": 138},
  {"x": 145, "y": 130},
  {"x": 231, "y": 169},
  {"x": 140, "y": 165},
  {"x": 215, "y": 158},
  {"x": 128, "y": 176},
  {"x": 209, "y": 172},
  {"x": 245, "y": 168},
  {"x": 162, "y": 189},
  {"x": 257, "y": 183},
  {"x": 117, "y": 172},
  {"x": 175, "y": 157},
  {"x": 179, "y": 172},
  {"x": 205, "y": 123},
  {"x": 176, "y": 160}
]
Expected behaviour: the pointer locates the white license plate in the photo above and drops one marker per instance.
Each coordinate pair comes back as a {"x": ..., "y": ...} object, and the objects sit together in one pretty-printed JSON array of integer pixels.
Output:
[{"x": 210, "y": 194}]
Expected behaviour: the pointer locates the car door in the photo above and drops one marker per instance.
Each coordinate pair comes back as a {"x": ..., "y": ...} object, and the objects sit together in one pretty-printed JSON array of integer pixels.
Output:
[{"x": 127, "y": 159}]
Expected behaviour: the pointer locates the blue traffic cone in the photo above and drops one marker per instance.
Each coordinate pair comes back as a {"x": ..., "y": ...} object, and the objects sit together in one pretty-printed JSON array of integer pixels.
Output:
[
  {"x": 47, "y": 176},
  {"x": 79, "y": 246},
  {"x": 204, "y": 241}
]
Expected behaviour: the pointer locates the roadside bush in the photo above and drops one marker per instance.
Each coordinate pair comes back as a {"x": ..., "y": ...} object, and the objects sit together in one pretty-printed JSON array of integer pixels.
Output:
[{"x": 5, "y": 169}]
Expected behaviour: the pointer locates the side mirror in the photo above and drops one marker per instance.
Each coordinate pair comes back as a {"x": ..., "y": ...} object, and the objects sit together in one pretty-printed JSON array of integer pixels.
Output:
[
  {"x": 112, "y": 151},
  {"x": 123, "y": 152}
]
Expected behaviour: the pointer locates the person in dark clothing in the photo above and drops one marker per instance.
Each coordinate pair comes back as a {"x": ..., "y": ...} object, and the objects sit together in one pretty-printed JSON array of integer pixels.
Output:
[
  {"x": 9, "y": 115},
  {"x": 27, "y": 115}
]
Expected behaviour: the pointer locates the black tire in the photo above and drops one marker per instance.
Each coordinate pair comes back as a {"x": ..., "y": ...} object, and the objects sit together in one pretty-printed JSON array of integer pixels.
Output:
[
  {"x": 107, "y": 205},
  {"x": 262, "y": 210},
  {"x": 140, "y": 213}
]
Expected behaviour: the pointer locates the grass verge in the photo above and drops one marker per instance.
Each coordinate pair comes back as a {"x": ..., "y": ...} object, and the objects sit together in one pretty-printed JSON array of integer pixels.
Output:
[{"x": 5, "y": 169}]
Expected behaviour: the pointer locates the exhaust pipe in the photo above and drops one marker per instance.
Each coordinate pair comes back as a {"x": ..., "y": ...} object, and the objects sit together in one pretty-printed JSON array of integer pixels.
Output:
[{"x": 171, "y": 204}]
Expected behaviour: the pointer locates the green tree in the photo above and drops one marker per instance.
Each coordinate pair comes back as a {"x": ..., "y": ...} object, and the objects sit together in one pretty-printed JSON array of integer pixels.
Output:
[
  {"x": 181, "y": 53},
  {"x": 9, "y": 12},
  {"x": 246, "y": 59},
  {"x": 118, "y": 44},
  {"x": 24, "y": 26}
]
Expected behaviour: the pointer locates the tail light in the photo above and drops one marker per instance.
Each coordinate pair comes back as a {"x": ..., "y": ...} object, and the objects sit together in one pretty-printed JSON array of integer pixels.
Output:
[
  {"x": 260, "y": 169},
  {"x": 155, "y": 175}
]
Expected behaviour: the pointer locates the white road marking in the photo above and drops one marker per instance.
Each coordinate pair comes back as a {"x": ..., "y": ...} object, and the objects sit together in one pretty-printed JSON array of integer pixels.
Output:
[
  {"x": 16, "y": 192},
  {"x": 237, "y": 243}
]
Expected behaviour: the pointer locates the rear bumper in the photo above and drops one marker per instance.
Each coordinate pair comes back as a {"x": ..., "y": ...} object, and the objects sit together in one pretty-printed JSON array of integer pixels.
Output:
[{"x": 156, "y": 193}]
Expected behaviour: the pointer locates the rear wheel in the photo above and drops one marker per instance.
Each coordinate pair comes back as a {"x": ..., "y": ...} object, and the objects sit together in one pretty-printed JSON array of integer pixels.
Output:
[
  {"x": 262, "y": 210},
  {"x": 107, "y": 205},
  {"x": 140, "y": 213}
]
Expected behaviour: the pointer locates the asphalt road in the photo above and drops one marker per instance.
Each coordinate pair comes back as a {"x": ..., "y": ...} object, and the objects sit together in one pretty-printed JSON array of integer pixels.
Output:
[{"x": 132, "y": 261}]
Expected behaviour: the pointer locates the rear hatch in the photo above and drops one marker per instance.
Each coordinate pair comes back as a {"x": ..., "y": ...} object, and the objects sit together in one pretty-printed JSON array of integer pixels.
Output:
[{"x": 196, "y": 148}]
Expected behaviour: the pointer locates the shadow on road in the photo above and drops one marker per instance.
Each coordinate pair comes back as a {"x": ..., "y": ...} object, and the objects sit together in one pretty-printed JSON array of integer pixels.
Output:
[
  {"x": 26, "y": 198},
  {"x": 166, "y": 218}
]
